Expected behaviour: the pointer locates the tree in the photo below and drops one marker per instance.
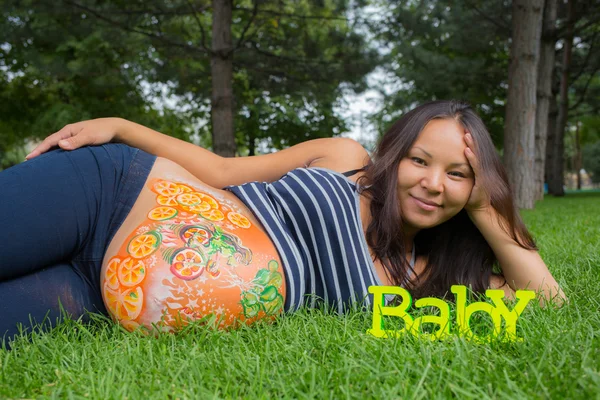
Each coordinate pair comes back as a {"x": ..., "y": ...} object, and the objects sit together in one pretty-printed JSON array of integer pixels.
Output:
[
  {"x": 221, "y": 66},
  {"x": 580, "y": 139},
  {"x": 591, "y": 160},
  {"x": 445, "y": 50},
  {"x": 57, "y": 69},
  {"x": 304, "y": 49},
  {"x": 556, "y": 167},
  {"x": 519, "y": 132},
  {"x": 544, "y": 93},
  {"x": 440, "y": 50},
  {"x": 578, "y": 37}
]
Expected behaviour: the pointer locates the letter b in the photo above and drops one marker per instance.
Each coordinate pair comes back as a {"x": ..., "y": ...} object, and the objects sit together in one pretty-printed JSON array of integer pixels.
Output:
[{"x": 380, "y": 309}]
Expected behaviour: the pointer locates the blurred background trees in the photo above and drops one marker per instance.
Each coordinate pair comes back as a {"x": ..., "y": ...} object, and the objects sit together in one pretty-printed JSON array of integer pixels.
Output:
[
  {"x": 249, "y": 76},
  {"x": 284, "y": 64}
]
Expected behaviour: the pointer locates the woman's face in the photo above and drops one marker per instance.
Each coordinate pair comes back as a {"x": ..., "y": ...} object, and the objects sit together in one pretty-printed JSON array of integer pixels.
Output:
[{"x": 435, "y": 178}]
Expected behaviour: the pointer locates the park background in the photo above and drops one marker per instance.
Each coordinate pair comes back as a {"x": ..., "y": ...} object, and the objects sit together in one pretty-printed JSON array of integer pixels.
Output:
[{"x": 248, "y": 77}]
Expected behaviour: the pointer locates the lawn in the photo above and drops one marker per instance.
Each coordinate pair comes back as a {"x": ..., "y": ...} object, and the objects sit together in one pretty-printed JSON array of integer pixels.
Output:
[{"x": 314, "y": 355}]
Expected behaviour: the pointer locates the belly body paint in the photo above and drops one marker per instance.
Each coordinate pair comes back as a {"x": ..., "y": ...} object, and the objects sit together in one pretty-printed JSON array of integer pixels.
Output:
[{"x": 193, "y": 258}]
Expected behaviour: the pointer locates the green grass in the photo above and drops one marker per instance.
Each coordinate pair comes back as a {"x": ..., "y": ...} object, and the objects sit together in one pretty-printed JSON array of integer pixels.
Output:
[{"x": 314, "y": 355}]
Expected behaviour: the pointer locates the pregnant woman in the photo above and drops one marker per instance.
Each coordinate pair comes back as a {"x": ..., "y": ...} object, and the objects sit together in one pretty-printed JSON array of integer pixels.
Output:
[{"x": 157, "y": 232}]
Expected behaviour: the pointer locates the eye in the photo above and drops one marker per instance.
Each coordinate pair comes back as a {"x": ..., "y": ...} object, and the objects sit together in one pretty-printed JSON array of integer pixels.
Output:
[
  {"x": 457, "y": 174},
  {"x": 418, "y": 160}
]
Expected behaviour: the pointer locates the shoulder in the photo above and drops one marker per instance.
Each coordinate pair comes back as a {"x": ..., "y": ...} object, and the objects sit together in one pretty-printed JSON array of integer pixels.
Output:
[
  {"x": 338, "y": 154},
  {"x": 342, "y": 154}
]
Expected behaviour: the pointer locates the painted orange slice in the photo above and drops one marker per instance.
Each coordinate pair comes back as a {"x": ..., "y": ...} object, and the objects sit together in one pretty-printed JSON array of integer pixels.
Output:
[
  {"x": 167, "y": 200},
  {"x": 239, "y": 220},
  {"x": 126, "y": 304},
  {"x": 130, "y": 325},
  {"x": 187, "y": 264},
  {"x": 110, "y": 276},
  {"x": 143, "y": 245},
  {"x": 189, "y": 199},
  {"x": 194, "y": 235},
  {"x": 162, "y": 213},
  {"x": 185, "y": 188},
  {"x": 131, "y": 272},
  {"x": 206, "y": 198},
  {"x": 198, "y": 208},
  {"x": 213, "y": 215},
  {"x": 167, "y": 188}
]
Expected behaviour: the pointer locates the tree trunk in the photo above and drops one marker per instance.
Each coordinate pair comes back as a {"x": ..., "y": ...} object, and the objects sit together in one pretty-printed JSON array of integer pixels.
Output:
[
  {"x": 251, "y": 144},
  {"x": 519, "y": 130},
  {"x": 221, "y": 64},
  {"x": 544, "y": 93},
  {"x": 556, "y": 182},
  {"x": 577, "y": 162},
  {"x": 552, "y": 116}
]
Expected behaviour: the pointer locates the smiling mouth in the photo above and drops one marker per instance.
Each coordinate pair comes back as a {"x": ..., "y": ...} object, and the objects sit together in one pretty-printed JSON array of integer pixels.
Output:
[{"x": 426, "y": 204}]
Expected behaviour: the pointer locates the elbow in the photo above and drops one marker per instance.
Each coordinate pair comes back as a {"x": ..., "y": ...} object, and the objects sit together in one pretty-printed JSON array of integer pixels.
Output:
[{"x": 552, "y": 295}]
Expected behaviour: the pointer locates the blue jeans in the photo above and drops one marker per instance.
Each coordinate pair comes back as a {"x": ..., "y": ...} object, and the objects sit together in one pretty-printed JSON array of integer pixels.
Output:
[{"x": 58, "y": 214}]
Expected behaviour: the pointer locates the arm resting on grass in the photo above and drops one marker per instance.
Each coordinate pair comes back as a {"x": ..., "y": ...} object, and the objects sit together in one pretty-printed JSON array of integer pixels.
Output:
[{"x": 522, "y": 268}]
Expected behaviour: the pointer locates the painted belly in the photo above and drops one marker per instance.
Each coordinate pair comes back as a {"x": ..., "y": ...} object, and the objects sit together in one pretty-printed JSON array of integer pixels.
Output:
[{"x": 193, "y": 257}]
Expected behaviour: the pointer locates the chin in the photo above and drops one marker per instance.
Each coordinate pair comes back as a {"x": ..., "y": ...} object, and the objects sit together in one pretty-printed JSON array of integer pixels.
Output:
[
  {"x": 419, "y": 224},
  {"x": 425, "y": 222}
]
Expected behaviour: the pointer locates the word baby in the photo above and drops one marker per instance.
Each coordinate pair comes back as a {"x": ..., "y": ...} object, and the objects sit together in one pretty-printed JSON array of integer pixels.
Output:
[{"x": 498, "y": 311}]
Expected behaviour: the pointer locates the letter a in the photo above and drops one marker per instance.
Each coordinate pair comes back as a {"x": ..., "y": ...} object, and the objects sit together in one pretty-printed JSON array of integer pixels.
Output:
[{"x": 442, "y": 320}]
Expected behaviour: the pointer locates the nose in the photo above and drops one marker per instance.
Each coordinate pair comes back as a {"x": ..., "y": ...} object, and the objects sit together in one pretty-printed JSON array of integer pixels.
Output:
[{"x": 433, "y": 181}]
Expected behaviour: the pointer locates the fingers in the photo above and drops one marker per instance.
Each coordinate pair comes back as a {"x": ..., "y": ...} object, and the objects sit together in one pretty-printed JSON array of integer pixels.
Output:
[
  {"x": 43, "y": 147},
  {"x": 66, "y": 138},
  {"x": 470, "y": 154}
]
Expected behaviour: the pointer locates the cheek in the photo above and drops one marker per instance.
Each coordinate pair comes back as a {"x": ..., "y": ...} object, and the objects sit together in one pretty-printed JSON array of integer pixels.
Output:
[
  {"x": 461, "y": 193},
  {"x": 464, "y": 192},
  {"x": 409, "y": 175}
]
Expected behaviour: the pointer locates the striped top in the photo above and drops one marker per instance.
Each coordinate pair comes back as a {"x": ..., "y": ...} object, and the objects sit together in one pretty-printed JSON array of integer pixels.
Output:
[{"x": 312, "y": 215}]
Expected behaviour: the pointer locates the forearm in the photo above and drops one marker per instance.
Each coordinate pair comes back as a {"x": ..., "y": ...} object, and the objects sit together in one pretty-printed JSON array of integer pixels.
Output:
[
  {"x": 522, "y": 268},
  {"x": 202, "y": 163}
]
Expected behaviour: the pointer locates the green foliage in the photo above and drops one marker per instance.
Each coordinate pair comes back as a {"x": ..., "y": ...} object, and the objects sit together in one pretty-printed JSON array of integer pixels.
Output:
[
  {"x": 291, "y": 61},
  {"x": 442, "y": 50},
  {"x": 59, "y": 68},
  {"x": 589, "y": 139},
  {"x": 591, "y": 160},
  {"x": 11, "y": 157},
  {"x": 285, "y": 120},
  {"x": 67, "y": 61},
  {"x": 446, "y": 50},
  {"x": 584, "y": 90}
]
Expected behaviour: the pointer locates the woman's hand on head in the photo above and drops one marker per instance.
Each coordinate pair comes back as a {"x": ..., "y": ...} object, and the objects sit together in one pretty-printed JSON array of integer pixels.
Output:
[
  {"x": 84, "y": 133},
  {"x": 479, "y": 199}
]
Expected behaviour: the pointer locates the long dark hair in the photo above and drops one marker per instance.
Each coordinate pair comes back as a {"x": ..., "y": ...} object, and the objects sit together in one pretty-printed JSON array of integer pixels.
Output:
[{"x": 456, "y": 252}]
